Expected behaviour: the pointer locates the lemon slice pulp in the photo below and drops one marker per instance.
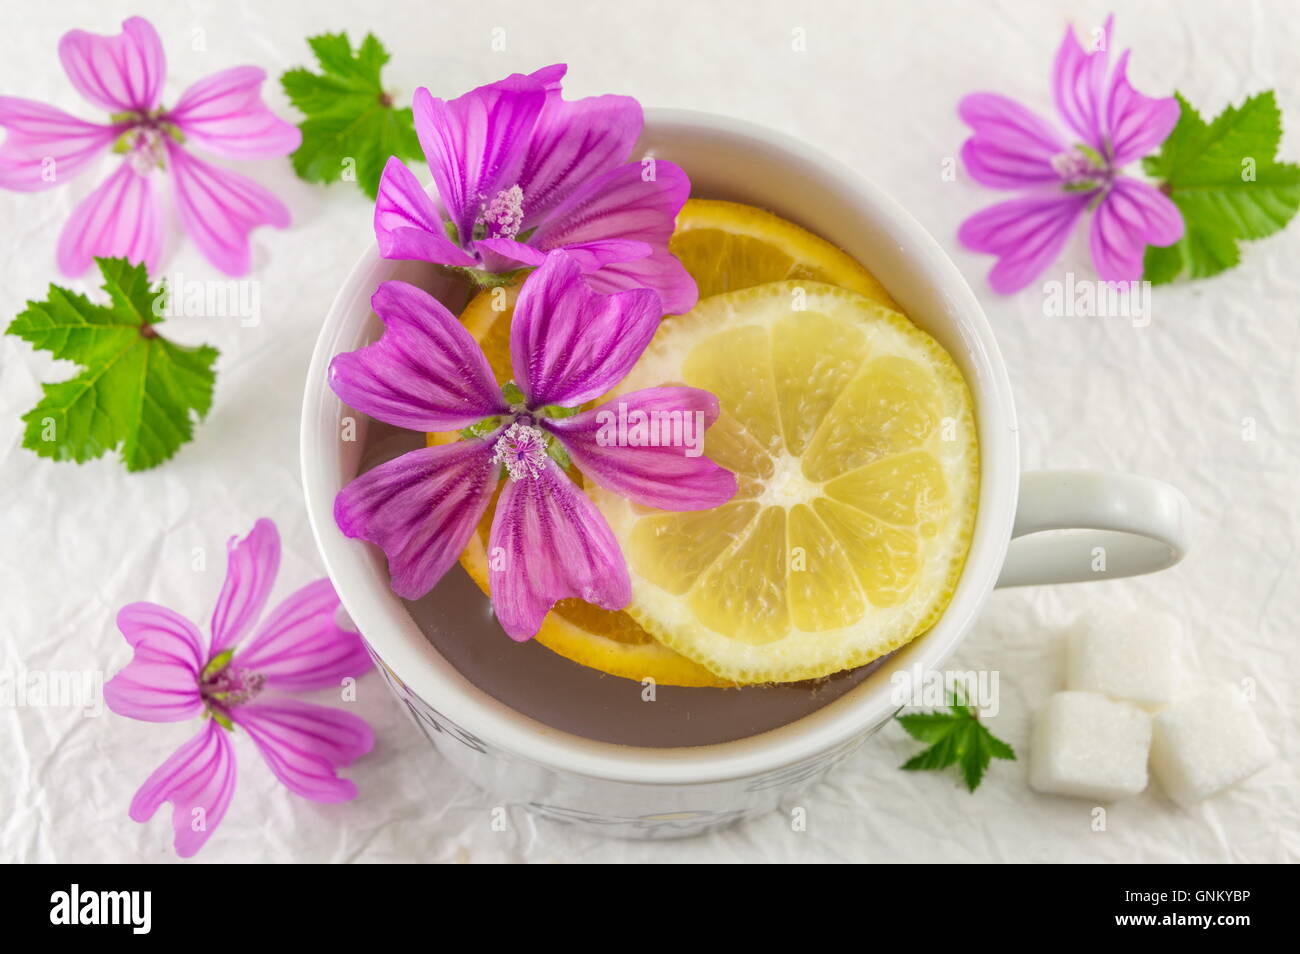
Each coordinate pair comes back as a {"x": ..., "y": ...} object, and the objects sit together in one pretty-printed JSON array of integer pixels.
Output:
[{"x": 853, "y": 439}]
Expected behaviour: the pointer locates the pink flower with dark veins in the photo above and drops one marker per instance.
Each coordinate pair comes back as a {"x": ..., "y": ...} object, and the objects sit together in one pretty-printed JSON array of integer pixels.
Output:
[
  {"x": 123, "y": 75},
  {"x": 520, "y": 171},
  {"x": 1065, "y": 177},
  {"x": 568, "y": 345},
  {"x": 175, "y": 676}
]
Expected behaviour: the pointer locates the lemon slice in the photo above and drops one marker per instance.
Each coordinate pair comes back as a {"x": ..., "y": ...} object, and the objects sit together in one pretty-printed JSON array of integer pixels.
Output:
[
  {"x": 727, "y": 246},
  {"x": 853, "y": 439},
  {"x": 612, "y": 642}
]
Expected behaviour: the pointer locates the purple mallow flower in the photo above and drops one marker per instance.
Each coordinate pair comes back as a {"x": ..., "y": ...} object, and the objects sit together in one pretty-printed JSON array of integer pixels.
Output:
[
  {"x": 568, "y": 345},
  {"x": 174, "y": 676},
  {"x": 123, "y": 75},
  {"x": 1012, "y": 148},
  {"x": 519, "y": 171}
]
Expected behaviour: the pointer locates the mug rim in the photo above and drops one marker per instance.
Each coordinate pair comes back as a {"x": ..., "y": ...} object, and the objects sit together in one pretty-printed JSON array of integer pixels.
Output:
[{"x": 402, "y": 648}]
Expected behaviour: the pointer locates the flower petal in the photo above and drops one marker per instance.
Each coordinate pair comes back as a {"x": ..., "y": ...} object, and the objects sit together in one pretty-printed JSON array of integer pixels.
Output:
[
  {"x": 198, "y": 780},
  {"x": 408, "y": 224},
  {"x": 161, "y": 683},
  {"x": 1078, "y": 80},
  {"x": 122, "y": 73},
  {"x": 1026, "y": 234},
  {"x": 218, "y": 208},
  {"x": 1135, "y": 124},
  {"x": 122, "y": 217},
  {"x": 425, "y": 373},
  {"x": 624, "y": 459},
  {"x": 573, "y": 142},
  {"x": 44, "y": 146},
  {"x": 251, "y": 567},
  {"x": 476, "y": 143},
  {"x": 420, "y": 509},
  {"x": 555, "y": 544},
  {"x": 506, "y": 254},
  {"x": 224, "y": 114},
  {"x": 633, "y": 201},
  {"x": 300, "y": 646},
  {"x": 569, "y": 344},
  {"x": 595, "y": 255},
  {"x": 1132, "y": 216},
  {"x": 1012, "y": 147},
  {"x": 590, "y": 256},
  {"x": 305, "y": 744},
  {"x": 660, "y": 271},
  {"x": 550, "y": 76}
]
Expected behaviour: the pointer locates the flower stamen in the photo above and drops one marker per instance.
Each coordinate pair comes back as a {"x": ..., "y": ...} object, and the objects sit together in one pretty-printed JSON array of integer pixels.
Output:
[
  {"x": 229, "y": 687},
  {"x": 504, "y": 215},
  {"x": 1081, "y": 168},
  {"x": 522, "y": 450},
  {"x": 145, "y": 149}
]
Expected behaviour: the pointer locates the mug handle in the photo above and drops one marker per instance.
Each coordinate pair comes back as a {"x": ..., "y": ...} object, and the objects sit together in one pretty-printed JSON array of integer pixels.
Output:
[{"x": 1125, "y": 525}]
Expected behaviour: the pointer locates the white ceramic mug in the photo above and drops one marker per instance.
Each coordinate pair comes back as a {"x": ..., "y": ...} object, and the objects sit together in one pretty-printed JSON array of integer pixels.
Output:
[{"x": 635, "y": 791}]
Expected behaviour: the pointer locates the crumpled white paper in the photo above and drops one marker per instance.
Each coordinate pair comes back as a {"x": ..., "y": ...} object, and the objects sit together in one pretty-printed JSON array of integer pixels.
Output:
[{"x": 874, "y": 85}]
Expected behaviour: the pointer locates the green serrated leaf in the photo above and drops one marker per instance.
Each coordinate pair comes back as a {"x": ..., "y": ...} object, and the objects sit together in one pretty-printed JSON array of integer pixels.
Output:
[
  {"x": 980, "y": 747},
  {"x": 1227, "y": 183},
  {"x": 957, "y": 703},
  {"x": 943, "y": 753},
  {"x": 997, "y": 748},
  {"x": 1161, "y": 264},
  {"x": 956, "y": 737},
  {"x": 352, "y": 124},
  {"x": 137, "y": 391},
  {"x": 975, "y": 756},
  {"x": 927, "y": 726}
]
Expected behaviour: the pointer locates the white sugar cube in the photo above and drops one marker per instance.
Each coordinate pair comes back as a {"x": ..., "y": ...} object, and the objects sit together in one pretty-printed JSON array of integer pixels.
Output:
[
  {"x": 1207, "y": 741},
  {"x": 1089, "y": 746},
  {"x": 1134, "y": 657}
]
